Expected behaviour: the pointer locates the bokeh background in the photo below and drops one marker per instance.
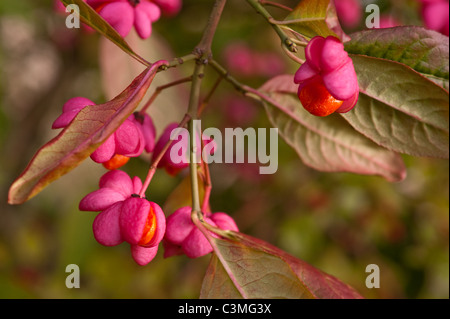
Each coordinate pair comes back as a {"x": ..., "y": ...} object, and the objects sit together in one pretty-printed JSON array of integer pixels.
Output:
[{"x": 339, "y": 223}]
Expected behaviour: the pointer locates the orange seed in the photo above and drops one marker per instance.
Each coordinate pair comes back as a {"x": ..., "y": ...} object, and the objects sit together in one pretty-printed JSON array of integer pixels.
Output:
[
  {"x": 116, "y": 162},
  {"x": 317, "y": 100},
  {"x": 149, "y": 229}
]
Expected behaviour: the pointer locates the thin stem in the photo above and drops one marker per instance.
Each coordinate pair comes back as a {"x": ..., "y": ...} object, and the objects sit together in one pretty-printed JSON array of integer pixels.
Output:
[
  {"x": 286, "y": 22},
  {"x": 208, "y": 97},
  {"x": 194, "y": 97},
  {"x": 293, "y": 57},
  {"x": 178, "y": 61},
  {"x": 213, "y": 21},
  {"x": 207, "y": 228},
  {"x": 285, "y": 40},
  {"x": 257, "y": 95},
  {"x": 300, "y": 42},
  {"x": 298, "y": 38},
  {"x": 155, "y": 162},
  {"x": 203, "y": 48},
  {"x": 207, "y": 186},
  {"x": 161, "y": 88},
  {"x": 275, "y": 4},
  {"x": 245, "y": 89},
  {"x": 193, "y": 168},
  {"x": 224, "y": 73},
  {"x": 193, "y": 113}
]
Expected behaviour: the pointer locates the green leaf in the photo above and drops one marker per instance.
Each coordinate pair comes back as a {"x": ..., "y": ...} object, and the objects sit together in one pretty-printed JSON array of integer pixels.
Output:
[
  {"x": 329, "y": 143},
  {"x": 423, "y": 50},
  {"x": 400, "y": 109},
  {"x": 90, "y": 128},
  {"x": 249, "y": 268},
  {"x": 90, "y": 17},
  {"x": 311, "y": 18}
]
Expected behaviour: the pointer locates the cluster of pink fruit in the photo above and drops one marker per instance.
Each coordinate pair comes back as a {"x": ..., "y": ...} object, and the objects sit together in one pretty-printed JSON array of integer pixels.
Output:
[
  {"x": 125, "y": 214},
  {"x": 327, "y": 84},
  {"x": 122, "y": 15}
]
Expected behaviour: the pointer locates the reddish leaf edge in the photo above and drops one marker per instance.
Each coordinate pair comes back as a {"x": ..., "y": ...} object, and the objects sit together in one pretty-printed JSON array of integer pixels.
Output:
[
  {"x": 346, "y": 292},
  {"x": 76, "y": 155}
]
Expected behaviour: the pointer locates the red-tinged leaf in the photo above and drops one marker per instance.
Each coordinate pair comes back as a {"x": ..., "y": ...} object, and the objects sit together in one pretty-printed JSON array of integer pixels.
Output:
[
  {"x": 311, "y": 18},
  {"x": 327, "y": 144},
  {"x": 423, "y": 50},
  {"x": 90, "y": 17},
  {"x": 249, "y": 268},
  {"x": 117, "y": 70},
  {"x": 400, "y": 109},
  {"x": 90, "y": 128}
]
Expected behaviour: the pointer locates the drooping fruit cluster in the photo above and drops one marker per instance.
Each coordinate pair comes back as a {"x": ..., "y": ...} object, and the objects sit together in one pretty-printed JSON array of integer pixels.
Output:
[
  {"x": 126, "y": 217},
  {"x": 125, "y": 214}
]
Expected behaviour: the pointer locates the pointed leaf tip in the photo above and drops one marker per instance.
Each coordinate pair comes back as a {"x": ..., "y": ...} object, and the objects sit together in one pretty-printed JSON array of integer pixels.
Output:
[{"x": 90, "y": 128}]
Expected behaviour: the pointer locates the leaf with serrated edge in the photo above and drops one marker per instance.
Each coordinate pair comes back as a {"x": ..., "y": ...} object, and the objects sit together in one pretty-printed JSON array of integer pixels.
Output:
[
  {"x": 90, "y": 128},
  {"x": 249, "y": 268},
  {"x": 400, "y": 109},
  {"x": 327, "y": 144},
  {"x": 90, "y": 17},
  {"x": 425, "y": 51}
]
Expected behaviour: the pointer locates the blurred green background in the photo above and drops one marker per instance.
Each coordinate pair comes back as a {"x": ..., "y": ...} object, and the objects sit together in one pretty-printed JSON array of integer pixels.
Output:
[{"x": 339, "y": 223}]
